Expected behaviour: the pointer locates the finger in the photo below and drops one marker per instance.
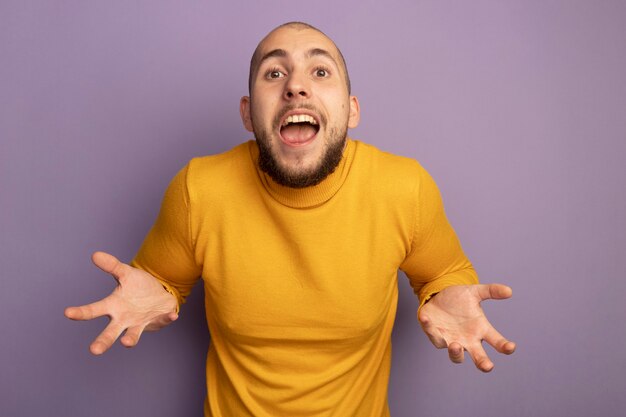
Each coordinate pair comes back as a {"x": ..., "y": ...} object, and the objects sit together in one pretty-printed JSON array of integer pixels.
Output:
[
  {"x": 480, "y": 358},
  {"x": 109, "y": 264},
  {"x": 131, "y": 337},
  {"x": 494, "y": 291},
  {"x": 499, "y": 342},
  {"x": 106, "y": 339},
  {"x": 431, "y": 330},
  {"x": 455, "y": 352},
  {"x": 87, "y": 312},
  {"x": 162, "y": 321}
]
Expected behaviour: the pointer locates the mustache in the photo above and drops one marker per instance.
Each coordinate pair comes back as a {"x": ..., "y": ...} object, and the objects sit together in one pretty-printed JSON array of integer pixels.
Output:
[{"x": 304, "y": 106}]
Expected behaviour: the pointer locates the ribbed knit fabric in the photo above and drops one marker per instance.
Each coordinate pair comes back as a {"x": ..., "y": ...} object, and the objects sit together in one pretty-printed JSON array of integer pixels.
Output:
[{"x": 301, "y": 284}]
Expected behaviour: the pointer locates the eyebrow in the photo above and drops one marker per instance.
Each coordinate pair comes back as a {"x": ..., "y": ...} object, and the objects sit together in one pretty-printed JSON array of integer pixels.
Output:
[
  {"x": 321, "y": 52},
  {"x": 273, "y": 53},
  {"x": 281, "y": 53}
]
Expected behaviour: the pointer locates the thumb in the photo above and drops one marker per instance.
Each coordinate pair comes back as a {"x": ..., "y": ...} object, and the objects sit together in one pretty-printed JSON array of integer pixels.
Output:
[
  {"x": 494, "y": 291},
  {"x": 108, "y": 263}
]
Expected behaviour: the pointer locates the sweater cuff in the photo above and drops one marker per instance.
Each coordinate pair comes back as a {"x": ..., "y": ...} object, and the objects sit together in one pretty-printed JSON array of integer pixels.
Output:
[
  {"x": 174, "y": 292},
  {"x": 464, "y": 277}
]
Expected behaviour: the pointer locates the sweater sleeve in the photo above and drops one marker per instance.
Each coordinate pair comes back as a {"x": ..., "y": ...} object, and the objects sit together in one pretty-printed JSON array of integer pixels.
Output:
[
  {"x": 168, "y": 251},
  {"x": 435, "y": 259}
]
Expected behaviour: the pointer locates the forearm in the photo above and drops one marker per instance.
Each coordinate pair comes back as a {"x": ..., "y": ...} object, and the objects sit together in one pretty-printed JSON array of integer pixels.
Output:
[
  {"x": 436, "y": 259},
  {"x": 168, "y": 252}
]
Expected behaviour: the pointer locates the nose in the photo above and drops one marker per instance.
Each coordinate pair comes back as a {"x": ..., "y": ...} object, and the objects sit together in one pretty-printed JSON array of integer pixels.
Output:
[{"x": 296, "y": 86}]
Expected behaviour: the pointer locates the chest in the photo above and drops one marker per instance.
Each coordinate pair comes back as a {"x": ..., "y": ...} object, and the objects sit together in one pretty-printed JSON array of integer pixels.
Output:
[{"x": 270, "y": 274}]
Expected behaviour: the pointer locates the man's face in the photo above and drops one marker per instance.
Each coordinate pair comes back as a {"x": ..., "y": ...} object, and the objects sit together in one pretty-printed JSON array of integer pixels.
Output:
[{"x": 299, "y": 107}]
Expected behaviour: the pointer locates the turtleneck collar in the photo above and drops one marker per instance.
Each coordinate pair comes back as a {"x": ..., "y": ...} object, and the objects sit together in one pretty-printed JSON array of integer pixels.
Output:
[{"x": 308, "y": 197}]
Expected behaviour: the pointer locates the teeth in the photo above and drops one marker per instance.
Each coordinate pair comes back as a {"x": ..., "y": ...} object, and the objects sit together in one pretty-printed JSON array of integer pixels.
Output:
[{"x": 299, "y": 118}]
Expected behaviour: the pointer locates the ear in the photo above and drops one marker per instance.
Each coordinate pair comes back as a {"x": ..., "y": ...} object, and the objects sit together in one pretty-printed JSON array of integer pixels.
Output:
[
  {"x": 355, "y": 113},
  {"x": 244, "y": 111}
]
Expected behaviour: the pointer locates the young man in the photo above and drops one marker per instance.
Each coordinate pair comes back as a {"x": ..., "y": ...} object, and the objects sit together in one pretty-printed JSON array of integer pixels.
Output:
[{"x": 298, "y": 237}]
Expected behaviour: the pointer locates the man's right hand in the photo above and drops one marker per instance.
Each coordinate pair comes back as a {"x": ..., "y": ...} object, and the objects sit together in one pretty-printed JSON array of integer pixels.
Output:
[{"x": 138, "y": 303}]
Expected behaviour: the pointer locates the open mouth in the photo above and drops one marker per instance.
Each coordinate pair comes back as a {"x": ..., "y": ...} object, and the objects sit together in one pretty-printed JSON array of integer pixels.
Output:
[{"x": 298, "y": 129}]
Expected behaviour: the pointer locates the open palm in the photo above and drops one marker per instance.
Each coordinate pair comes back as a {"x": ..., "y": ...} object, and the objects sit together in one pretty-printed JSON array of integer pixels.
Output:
[
  {"x": 453, "y": 319},
  {"x": 138, "y": 303}
]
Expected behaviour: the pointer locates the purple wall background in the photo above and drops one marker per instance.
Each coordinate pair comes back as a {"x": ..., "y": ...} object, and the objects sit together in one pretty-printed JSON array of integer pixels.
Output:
[{"x": 518, "y": 109}]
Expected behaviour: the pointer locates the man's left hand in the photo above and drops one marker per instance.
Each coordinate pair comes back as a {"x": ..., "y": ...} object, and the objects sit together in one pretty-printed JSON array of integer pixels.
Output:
[{"x": 453, "y": 319}]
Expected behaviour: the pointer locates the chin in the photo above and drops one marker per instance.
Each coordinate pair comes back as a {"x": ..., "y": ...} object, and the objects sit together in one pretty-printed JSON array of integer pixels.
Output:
[{"x": 300, "y": 166}]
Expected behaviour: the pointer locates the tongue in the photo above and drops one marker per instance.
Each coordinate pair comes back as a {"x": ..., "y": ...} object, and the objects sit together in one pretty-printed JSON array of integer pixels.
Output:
[{"x": 297, "y": 133}]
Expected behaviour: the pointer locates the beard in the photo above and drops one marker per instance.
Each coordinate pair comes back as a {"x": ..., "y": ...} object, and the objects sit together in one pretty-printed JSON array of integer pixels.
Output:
[{"x": 294, "y": 177}]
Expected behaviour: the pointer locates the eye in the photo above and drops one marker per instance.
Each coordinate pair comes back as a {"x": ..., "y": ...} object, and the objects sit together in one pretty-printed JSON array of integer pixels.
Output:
[
  {"x": 321, "y": 72},
  {"x": 274, "y": 73}
]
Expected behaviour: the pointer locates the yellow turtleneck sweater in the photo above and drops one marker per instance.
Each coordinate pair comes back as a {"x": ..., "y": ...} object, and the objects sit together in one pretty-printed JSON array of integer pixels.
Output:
[{"x": 301, "y": 284}]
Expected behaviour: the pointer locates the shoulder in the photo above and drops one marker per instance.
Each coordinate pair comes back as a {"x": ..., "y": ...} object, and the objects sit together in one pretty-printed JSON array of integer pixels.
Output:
[
  {"x": 219, "y": 174},
  {"x": 387, "y": 170},
  {"x": 221, "y": 164}
]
